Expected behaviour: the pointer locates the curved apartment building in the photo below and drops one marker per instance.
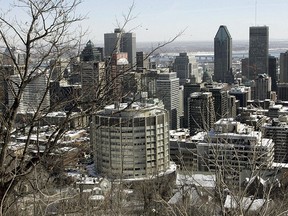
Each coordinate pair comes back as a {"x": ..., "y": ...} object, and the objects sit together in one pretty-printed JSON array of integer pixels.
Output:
[{"x": 130, "y": 142}]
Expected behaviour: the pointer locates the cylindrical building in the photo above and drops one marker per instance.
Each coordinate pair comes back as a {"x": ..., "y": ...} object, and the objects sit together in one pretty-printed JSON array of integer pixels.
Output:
[{"x": 130, "y": 141}]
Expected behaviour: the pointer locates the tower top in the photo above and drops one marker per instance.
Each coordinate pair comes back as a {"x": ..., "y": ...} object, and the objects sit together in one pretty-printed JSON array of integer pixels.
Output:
[{"x": 222, "y": 33}]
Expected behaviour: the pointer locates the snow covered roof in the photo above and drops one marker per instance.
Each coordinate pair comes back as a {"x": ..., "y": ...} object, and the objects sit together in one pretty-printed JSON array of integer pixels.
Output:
[{"x": 246, "y": 203}]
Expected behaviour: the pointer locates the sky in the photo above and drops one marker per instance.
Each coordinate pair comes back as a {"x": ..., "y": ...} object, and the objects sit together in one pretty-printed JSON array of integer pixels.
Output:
[{"x": 161, "y": 20}]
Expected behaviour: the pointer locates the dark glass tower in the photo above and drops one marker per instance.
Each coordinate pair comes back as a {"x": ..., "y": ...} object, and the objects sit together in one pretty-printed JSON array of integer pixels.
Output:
[
  {"x": 223, "y": 56},
  {"x": 201, "y": 112},
  {"x": 91, "y": 53},
  {"x": 272, "y": 72},
  {"x": 121, "y": 41},
  {"x": 284, "y": 67},
  {"x": 258, "y": 51}
]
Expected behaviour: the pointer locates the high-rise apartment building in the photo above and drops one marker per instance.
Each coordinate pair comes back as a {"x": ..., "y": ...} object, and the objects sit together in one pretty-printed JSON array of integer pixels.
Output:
[
  {"x": 201, "y": 112},
  {"x": 121, "y": 41},
  {"x": 283, "y": 67},
  {"x": 131, "y": 141},
  {"x": 167, "y": 85},
  {"x": 223, "y": 56},
  {"x": 258, "y": 51}
]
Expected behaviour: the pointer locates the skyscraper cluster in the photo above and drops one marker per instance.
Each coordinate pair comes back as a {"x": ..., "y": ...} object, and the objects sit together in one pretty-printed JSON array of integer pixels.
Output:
[{"x": 133, "y": 106}]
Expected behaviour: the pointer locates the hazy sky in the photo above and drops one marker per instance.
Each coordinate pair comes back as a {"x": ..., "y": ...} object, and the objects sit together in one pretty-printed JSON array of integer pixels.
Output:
[{"x": 159, "y": 20}]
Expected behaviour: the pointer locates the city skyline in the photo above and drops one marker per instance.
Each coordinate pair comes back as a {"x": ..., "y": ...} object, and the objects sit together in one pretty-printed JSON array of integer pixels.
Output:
[{"x": 160, "y": 21}]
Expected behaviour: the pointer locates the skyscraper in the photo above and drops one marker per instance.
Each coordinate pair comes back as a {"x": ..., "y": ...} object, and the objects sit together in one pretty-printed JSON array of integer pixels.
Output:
[
  {"x": 220, "y": 96},
  {"x": 90, "y": 81},
  {"x": 142, "y": 60},
  {"x": 258, "y": 51},
  {"x": 167, "y": 85},
  {"x": 34, "y": 95},
  {"x": 201, "y": 112},
  {"x": 223, "y": 56},
  {"x": 189, "y": 88},
  {"x": 185, "y": 66},
  {"x": 284, "y": 67},
  {"x": 241, "y": 93},
  {"x": 91, "y": 53},
  {"x": 282, "y": 91},
  {"x": 121, "y": 41},
  {"x": 272, "y": 72},
  {"x": 91, "y": 73},
  {"x": 262, "y": 87}
]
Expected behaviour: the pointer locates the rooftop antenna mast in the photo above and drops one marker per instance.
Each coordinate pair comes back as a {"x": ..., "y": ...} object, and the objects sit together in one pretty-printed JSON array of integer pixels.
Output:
[{"x": 255, "y": 12}]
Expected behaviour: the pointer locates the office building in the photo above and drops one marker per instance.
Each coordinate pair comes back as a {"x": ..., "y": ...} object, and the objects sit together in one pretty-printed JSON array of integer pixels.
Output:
[
  {"x": 90, "y": 82},
  {"x": 220, "y": 95},
  {"x": 91, "y": 53},
  {"x": 117, "y": 68},
  {"x": 234, "y": 147},
  {"x": 167, "y": 85},
  {"x": 185, "y": 66},
  {"x": 183, "y": 148},
  {"x": 272, "y": 72},
  {"x": 131, "y": 141},
  {"x": 121, "y": 41},
  {"x": 277, "y": 130},
  {"x": 148, "y": 82},
  {"x": 142, "y": 61},
  {"x": 64, "y": 97},
  {"x": 283, "y": 67},
  {"x": 201, "y": 115},
  {"x": 282, "y": 91},
  {"x": 245, "y": 68},
  {"x": 223, "y": 56},
  {"x": 262, "y": 87},
  {"x": 233, "y": 104},
  {"x": 242, "y": 93},
  {"x": 258, "y": 51},
  {"x": 35, "y": 95},
  {"x": 189, "y": 88},
  {"x": 58, "y": 68}
]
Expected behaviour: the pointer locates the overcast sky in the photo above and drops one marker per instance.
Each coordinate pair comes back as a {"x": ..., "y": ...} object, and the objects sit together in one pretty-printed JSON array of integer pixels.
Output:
[{"x": 159, "y": 20}]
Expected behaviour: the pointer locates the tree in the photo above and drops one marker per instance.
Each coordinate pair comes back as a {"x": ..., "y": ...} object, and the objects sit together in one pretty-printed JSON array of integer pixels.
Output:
[
  {"x": 43, "y": 36},
  {"x": 43, "y": 33}
]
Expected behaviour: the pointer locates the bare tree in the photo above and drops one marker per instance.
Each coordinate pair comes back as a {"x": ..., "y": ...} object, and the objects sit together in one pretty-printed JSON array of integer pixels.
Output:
[{"x": 44, "y": 32}]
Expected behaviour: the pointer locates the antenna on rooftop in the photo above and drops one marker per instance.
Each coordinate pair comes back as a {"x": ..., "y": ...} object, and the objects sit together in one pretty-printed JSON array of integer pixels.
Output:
[{"x": 255, "y": 12}]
